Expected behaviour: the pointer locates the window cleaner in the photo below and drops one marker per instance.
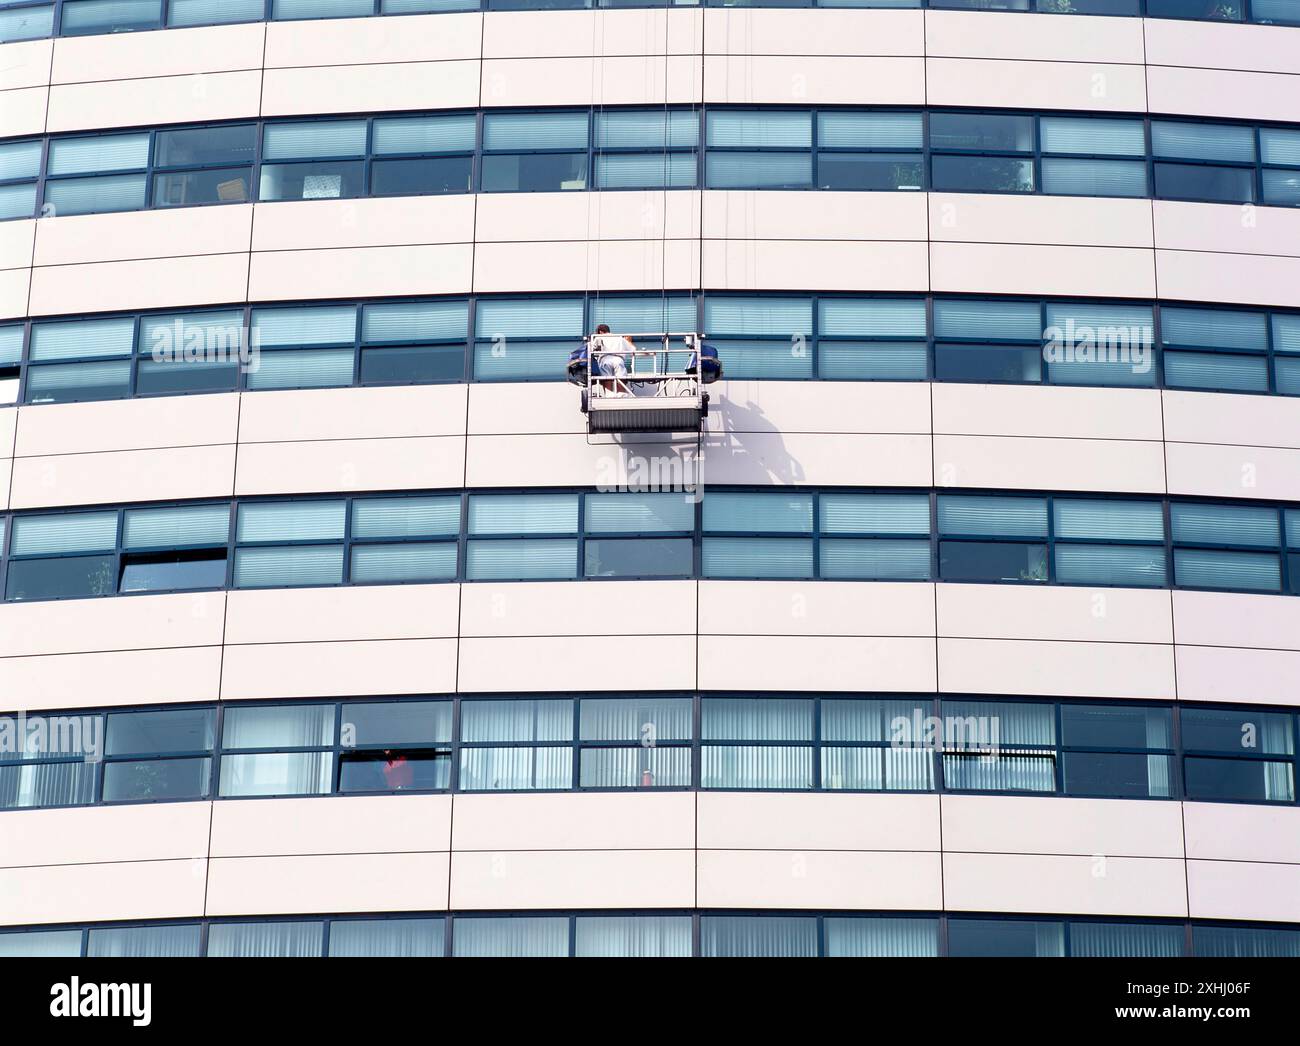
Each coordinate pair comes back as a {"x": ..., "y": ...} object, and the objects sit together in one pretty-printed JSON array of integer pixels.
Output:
[{"x": 628, "y": 387}]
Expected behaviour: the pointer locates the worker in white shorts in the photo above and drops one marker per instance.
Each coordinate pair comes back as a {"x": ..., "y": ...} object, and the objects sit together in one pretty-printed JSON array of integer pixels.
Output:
[{"x": 610, "y": 361}]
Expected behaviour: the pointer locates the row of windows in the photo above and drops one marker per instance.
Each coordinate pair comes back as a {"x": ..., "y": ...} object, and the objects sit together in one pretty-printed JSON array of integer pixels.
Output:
[
  {"x": 778, "y": 336},
  {"x": 576, "y": 149},
  {"x": 659, "y": 933},
  {"x": 795, "y": 534},
  {"x": 32, "y": 19},
  {"x": 647, "y": 742}
]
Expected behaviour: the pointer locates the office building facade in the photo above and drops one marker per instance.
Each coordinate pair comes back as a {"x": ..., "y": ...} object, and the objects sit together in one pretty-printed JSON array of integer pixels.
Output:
[{"x": 969, "y": 623}]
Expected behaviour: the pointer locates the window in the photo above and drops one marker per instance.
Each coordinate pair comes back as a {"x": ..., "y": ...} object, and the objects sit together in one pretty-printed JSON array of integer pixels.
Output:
[
  {"x": 1215, "y": 349},
  {"x": 1005, "y": 937},
  {"x": 11, "y": 355},
  {"x": 212, "y": 12},
  {"x": 1280, "y": 153},
  {"x": 308, "y": 346},
  {"x": 1111, "y": 939},
  {"x": 535, "y": 152},
  {"x": 40, "y": 944},
  {"x": 1109, "y": 542},
  {"x": 405, "y": 938},
  {"x": 321, "y": 8},
  {"x": 170, "y": 941},
  {"x": 870, "y": 745},
  {"x": 1253, "y": 942},
  {"x": 751, "y": 937},
  {"x": 761, "y": 337},
  {"x": 759, "y": 150},
  {"x": 992, "y": 538},
  {"x": 882, "y": 537},
  {"x": 1117, "y": 751},
  {"x": 50, "y": 768},
  {"x": 1238, "y": 755},
  {"x": 181, "y": 353},
  {"x": 988, "y": 341},
  {"x": 20, "y": 166},
  {"x": 282, "y": 750},
  {"x": 80, "y": 360},
  {"x": 1204, "y": 556},
  {"x": 632, "y": 936},
  {"x": 423, "y": 155},
  {"x": 522, "y": 536},
  {"x": 518, "y": 339},
  {"x": 1087, "y": 156},
  {"x": 175, "y": 549},
  {"x": 646, "y": 149},
  {"x": 880, "y": 151},
  {"x": 537, "y": 936},
  {"x": 109, "y": 16},
  {"x": 413, "y": 343},
  {"x": 866, "y": 937},
  {"x": 313, "y": 160},
  {"x": 72, "y": 555},
  {"x": 757, "y": 743},
  {"x": 26, "y": 23},
  {"x": 204, "y": 165},
  {"x": 1099, "y": 344},
  {"x": 1201, "y": 161},
  {"x": 999, "y": 746},
  {"x": 1292, "y": 542},
  {"x": 1204, "y": 10},
  {"x": 63, "y": 556},
  {"x": 395, "y": 747},
  {"x": 283, "y": 544},
  {"x": 404, "y": 539},
  {"x": 516, "y": 745},
  {"x": 760, "y": 535},
  {"x": 650, "y": 314},
  {"x": 615, "y": 545},
  {"x": 1286, "y": 358},
  {"x": 871, "y": 339},
  {"x": 981, "y": 152},
  {"x": 96, "y": 174},
  {"x": 641, "y": 741},
  {"x": 266, "y": 939},
  {"x": 159, "y": 755}
]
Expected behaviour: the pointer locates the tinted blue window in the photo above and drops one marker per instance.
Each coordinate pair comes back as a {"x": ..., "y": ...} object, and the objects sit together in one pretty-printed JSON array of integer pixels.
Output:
[
  {"x": 109, "y": 16},
  {"x": 1005, "y": 937},
  {"x": 1214, "y": 184}
]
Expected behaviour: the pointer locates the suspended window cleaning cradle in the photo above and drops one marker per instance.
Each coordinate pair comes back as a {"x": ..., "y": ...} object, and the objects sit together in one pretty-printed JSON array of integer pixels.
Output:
[{"x": 655, "y": 384}]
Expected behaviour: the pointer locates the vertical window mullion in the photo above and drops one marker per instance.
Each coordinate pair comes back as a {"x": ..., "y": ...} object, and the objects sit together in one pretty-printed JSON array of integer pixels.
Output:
[
  {"x": 454, "y": 745},
  {"x": 346, "y": 573},
  {"x": 336, "y": 770},
  {"x": 231, "y": 542},
  {"x": 575, "y": 746}
]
